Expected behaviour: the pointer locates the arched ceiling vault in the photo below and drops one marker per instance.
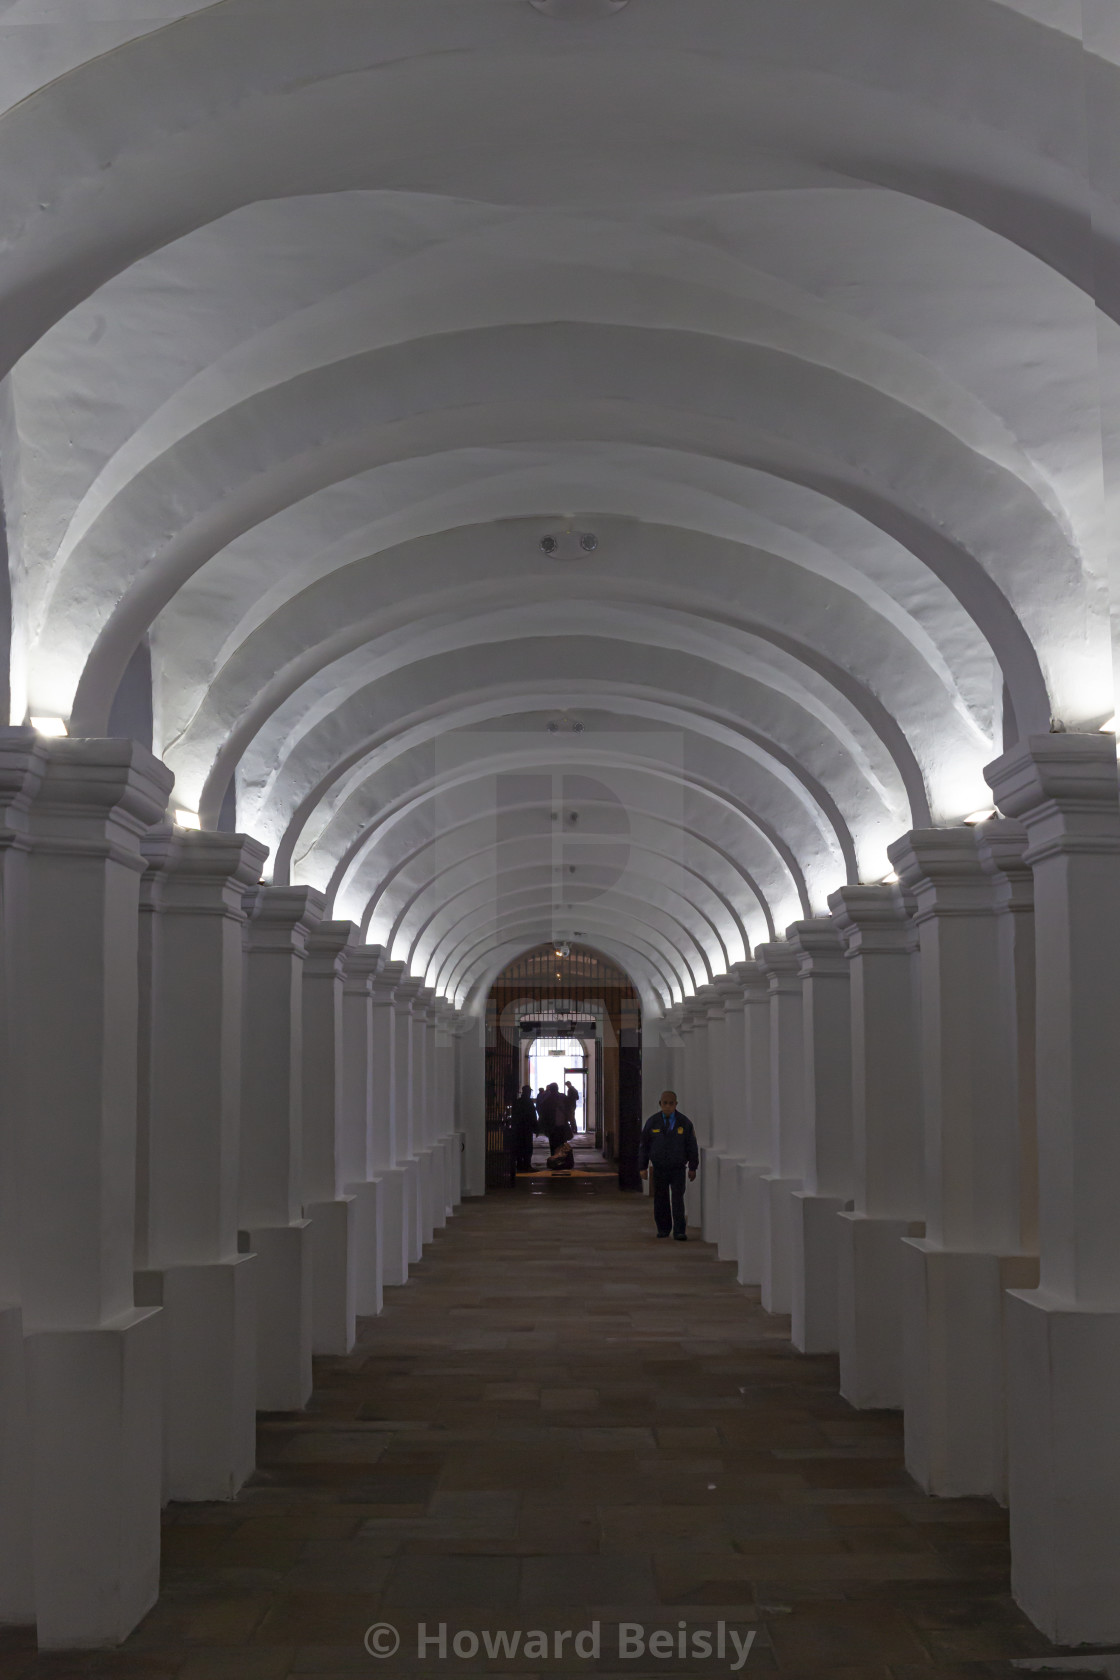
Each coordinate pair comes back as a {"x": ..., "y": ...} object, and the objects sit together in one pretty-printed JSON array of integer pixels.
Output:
[{"x": 315, "y": 320}]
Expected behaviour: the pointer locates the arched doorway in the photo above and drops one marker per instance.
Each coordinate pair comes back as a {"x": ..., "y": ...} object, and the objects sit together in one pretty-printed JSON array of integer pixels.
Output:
[{"x": 570, "y": 1006}]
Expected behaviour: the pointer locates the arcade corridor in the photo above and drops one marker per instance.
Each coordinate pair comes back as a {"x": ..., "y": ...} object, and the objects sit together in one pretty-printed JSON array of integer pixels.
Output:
[{"x": 559, "y": 1420}]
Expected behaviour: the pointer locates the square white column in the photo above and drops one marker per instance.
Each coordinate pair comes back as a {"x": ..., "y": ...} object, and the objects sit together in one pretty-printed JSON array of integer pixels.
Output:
[
  {"x": 22, "y": 763},
  {"x": 383, "y": 1140},
  {"x": 710, "y": 1000},
  {"x": 404, "y": 1094},
  {"x": 192, "y": 929},
  {"x": 281, "y": 920},
  {"x": 92, "y": 1357},
  {"x": 732, "y": 1121},
  {"x": 325, "y": 1203},
  {"x": 955, "y": 1277},
  {"x": 827, "y": 1192},
  {"x": 758, "y": 1134},
  {"x": 888, "y": 1185},
  {"x": 1064, "y": 1336},
  {"x": 360, "y": 1176},
  {"x": 781, "y": 964}
]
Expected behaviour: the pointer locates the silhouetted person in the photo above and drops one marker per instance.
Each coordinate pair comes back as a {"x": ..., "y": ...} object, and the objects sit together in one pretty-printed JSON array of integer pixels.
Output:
[
  {"x": 524, "y": 1129},
  {"x": 571, "y": 1103},
  {"x": 669, "y": 1146}
]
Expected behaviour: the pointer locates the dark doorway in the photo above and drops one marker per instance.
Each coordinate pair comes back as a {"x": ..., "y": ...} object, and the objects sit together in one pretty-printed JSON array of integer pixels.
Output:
[{"x": 568, "y": 995}]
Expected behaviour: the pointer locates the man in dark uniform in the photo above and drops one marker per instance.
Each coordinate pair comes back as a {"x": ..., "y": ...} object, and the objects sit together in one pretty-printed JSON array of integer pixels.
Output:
[
  {"x": 669, "y": 1146},
  {"x": 524, "y": 1127}
]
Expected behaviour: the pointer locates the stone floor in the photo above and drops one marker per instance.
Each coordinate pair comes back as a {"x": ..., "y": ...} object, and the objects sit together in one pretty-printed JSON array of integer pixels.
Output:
[{"x": 561, "y": 1421}]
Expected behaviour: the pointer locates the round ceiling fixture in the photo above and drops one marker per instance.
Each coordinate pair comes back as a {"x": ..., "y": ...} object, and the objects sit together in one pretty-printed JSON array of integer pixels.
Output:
[
  {"x": 569, "y": 544},
  {"x": 579, "y": 11}
]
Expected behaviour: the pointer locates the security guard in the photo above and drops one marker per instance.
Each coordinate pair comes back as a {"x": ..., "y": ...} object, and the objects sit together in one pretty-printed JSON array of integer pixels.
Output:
[{"x": 669, "y": 1143}]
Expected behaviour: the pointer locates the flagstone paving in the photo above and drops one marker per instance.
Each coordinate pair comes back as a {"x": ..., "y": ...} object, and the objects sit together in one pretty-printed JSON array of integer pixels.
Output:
[{"x": 560, "y": 1421}]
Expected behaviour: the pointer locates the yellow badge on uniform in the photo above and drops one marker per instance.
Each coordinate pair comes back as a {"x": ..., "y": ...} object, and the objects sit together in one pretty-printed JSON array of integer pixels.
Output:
[{"x": 680, "y": 1131}]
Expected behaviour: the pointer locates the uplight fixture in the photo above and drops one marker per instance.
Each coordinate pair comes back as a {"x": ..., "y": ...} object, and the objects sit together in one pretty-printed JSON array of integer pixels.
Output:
[
  {"x": 49, "y": 727},
  {"x": 891, "y": 880},
  {"x": 983, "y": 816},
  {"x": 188, "y": 819},
  {"x": 1109, "y": 728}
]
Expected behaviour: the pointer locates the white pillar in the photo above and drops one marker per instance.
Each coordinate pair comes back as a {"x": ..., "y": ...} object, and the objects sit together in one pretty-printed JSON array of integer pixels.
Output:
[
  {"x": 93, "y": 1358},
  {"x": 787, "y": 1119},
  {"x": 732, "y": 1119},
  {"x": 22, "y": 763},
  {"x": 444, "y": 1105},
  {"x": 827, "y": 1192},
  {"x": 1064, "y": 1337},
  {"x": 888, "y": 1142},
  {"x": 386, "y": 1153},
  {"x": 271, "y": 1180},
  {"x": 956, "y": 1275},
  {"x": 404, "y": 1095},
  {"x": 192, "y": 932},
  {"x": 361, "y": 1177},
  {"x": 421, "y": 1141},
  {"x": 470, "y": 1065},
  {"x": 331, "y": 1211},
  {"x": 695, "y": 1098},
  {"x": 715, "y": 1021},
  {"x": 758, "y": 1128}
]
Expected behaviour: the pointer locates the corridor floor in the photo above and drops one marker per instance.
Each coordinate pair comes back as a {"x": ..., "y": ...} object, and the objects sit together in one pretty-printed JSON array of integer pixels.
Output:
[{"x": 560, "y": 1420}]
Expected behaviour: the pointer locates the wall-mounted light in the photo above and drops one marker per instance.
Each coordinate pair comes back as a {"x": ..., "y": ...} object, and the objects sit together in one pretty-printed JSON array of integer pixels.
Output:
[
  {"x": 983, "y": 816},
  {"x": 891, "y": 880},
  {"x": 1109, "y": 728},
  {"x": 188, "y": 819},
  {"x": 49, "y": 727}
]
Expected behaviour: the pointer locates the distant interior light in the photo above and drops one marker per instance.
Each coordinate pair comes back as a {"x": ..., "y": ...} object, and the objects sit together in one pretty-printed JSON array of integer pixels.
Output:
[
  {"x": 1109, "y": 728},
  {"x": 187, "y": 819},
  {"x": 51, "y": 727},
  {"x": 981, "y": 816},
  {"x": 892, "y": 879}
]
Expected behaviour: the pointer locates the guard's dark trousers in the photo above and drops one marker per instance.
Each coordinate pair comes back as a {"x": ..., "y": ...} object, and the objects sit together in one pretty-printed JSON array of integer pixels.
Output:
[{"x": 668, "y": 1200}]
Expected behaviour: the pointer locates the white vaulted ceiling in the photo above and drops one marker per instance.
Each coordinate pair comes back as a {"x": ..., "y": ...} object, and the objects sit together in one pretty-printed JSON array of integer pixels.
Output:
[{"x": 317, "y": 318}]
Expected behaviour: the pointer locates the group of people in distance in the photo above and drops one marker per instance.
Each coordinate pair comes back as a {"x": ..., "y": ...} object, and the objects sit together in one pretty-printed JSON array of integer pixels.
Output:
[{"x": 553, "y": 1113}]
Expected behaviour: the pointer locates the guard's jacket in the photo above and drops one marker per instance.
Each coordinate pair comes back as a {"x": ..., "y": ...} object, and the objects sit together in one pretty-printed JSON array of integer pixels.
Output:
[{"x": 668, "y": 1144}]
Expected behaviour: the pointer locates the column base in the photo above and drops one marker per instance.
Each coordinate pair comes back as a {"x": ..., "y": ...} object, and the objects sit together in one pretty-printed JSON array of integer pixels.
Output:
[
  {"x": 953, "y": 1387},
  {"x": 369, "y": 1221},
  {"x": 777, "y": 1243},
  {"x": 333, "y": 1270},
  {"x": 1063, "y": 1374},
  {"x": 457, "y": 1155},
  {"x": 394, "y": 1229},
  {"x": 414, "y": 1208},
  {"x": 751, "y": 1233},
  {"x": 815, "y": 1327},
  {"x": 709, "y": 1194},
  {"x": 208, "y": 1335},
  {"x": 871, "y": 1308},
  {"x": 17, "y": 1581},
  {"x": 727, "y": 1215},
  {"x": 95, "y": 1403},
  {"x": 283, "y": 1315}
]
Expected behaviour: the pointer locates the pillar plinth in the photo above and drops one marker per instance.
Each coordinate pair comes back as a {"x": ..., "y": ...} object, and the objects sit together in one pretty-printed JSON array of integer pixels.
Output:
[
  {"x": 360, "y": 1176},
  {"x": 1064, "y": 1337},
  {"x": 781, "y": 964},
  {"x": 92, "y": 1358},
  {"x": 826, "y": 999},
  {"x": 954, "y": 1278},
  {"x": 281, "y": 919},
  {"x": 887, "y": 1143},
  {"x": 191, "y": 934}
]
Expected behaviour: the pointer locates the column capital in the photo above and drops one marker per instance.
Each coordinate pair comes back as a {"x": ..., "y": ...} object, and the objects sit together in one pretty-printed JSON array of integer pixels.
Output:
[
  {"x": 752, "y": 977},
  {"x": 1001, "y": 846},
  {"x": 730, "y": 988},
  {"x": 23, "y": 763},
  {"x": 282, "y": 918},
  {"x": 819, "y": 947},
  {"x": 200, "y": 873},
  {"x": 941, "y": 867},
  {"x": 328, "y": 949},
  {"x": 872, "y": 921},
  {"x": 364, "y": 967},
  {"x": 407, "y": 990},
  {"x": 96, "y": 798},
  {"x": 1063, "y": 788},
  {"x": 710, "y": 1000},
  {"x": 781, "y": 965}
]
